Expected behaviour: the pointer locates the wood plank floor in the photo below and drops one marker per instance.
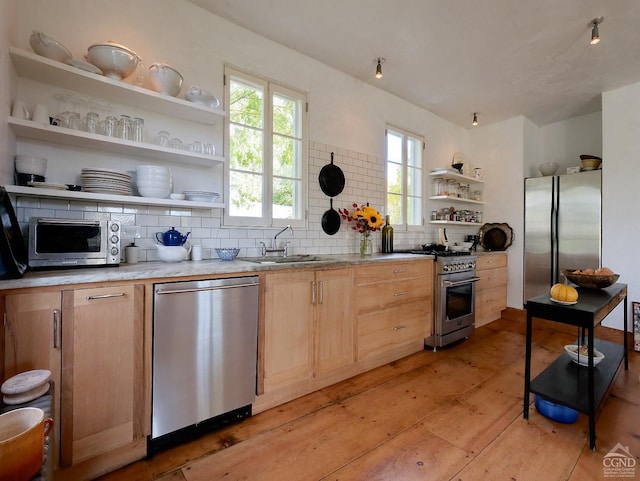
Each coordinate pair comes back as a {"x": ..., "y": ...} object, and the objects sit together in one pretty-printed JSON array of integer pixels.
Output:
[{"x": 451, "y": 415}]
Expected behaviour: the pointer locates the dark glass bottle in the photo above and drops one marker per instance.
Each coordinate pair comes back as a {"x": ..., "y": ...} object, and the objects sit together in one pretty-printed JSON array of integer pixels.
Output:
[{"x": 387, "y": 236}]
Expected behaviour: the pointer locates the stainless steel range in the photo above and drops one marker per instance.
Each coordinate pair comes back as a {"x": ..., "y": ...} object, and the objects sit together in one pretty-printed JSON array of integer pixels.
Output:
[{"x": 455, "y": 296}]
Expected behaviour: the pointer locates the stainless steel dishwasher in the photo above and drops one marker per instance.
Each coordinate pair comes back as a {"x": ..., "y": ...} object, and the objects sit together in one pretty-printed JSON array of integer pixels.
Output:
[{"x": 205, "y": 338}]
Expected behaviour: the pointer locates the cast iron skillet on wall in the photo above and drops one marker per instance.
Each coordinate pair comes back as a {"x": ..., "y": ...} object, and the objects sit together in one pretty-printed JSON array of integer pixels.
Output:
[{"x": 331, "y": 180}]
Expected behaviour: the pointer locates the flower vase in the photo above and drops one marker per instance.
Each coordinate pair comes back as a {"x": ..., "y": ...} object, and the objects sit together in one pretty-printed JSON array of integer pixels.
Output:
[{"x": 366, "y": 248}]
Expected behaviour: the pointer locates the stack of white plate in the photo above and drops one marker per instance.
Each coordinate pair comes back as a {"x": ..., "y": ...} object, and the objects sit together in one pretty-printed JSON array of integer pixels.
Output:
[
  {"x": 153, "y": 181},
  {"x": 26, "y": 386},
  {"x": 106, "y": 181}
]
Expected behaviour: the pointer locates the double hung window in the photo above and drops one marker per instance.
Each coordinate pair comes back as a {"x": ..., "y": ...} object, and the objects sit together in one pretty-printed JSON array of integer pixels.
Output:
[{"x": 266, "y": 175}]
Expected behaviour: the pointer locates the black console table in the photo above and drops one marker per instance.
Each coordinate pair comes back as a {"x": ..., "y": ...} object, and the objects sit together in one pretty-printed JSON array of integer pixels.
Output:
[{"x": 564, "y": 382}]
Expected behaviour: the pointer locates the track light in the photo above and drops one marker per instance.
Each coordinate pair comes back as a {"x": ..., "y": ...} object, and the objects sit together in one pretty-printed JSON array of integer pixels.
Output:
[
  {"x": 475, "y": 119},
  {"x": 595, "y": 35},
  {"x": 379, "y": 67}
]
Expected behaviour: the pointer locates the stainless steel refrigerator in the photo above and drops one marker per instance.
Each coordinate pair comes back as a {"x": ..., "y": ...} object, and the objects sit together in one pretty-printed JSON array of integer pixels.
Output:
[{"x": 562, "y": 227}]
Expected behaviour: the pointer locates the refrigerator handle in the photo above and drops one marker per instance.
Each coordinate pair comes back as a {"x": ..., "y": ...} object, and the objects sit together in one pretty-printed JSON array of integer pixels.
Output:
[{"x": 555, "y": 193}]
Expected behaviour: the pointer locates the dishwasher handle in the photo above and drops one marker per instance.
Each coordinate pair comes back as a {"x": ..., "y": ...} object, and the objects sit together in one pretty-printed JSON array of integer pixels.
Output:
[{"x": 202, "y": 289}]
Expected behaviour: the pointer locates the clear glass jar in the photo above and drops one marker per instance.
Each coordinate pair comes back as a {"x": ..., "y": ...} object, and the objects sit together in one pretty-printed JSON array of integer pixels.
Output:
[
  {"x": 437, "y": 186},
  {"x": 137, "y": 129},
  {"x": 124, "y": 127}
]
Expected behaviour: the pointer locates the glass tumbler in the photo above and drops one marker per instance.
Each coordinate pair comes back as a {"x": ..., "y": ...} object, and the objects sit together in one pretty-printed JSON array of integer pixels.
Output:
[
  {"x": 124, "y": 127},
  {"x": 110, "y": 126},
  {"x": 138, "y": 129},
  {"x": 92, "y": 122},
  {"x": 75, "y": 121},
  {"x": 163, "y": 138}
]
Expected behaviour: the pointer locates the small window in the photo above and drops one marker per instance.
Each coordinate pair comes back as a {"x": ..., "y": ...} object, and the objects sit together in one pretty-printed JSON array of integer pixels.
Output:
[
  {"x": 404, "y": 178},
  {"x": 267, "y": 153}
]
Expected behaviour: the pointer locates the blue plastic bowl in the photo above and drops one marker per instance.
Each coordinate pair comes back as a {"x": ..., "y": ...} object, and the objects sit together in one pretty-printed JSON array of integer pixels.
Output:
[{"x": 557, "y": 412}]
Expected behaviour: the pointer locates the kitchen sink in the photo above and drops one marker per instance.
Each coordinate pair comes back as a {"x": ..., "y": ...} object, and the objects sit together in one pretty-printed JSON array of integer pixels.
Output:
[{"x": 284, "y": 260}]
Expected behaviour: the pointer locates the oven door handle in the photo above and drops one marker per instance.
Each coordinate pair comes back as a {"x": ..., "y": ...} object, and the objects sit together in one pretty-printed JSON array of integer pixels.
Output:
[{"x": 460, "y": 283}]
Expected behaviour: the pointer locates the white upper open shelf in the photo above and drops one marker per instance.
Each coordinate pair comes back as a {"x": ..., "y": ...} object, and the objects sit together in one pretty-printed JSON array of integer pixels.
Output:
[{"x": 32, "y": 66}]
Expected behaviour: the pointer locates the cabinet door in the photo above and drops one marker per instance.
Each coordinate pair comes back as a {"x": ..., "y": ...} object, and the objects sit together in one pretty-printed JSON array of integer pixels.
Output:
[
  {"x": 32, "y": 333},
  {"x": 334, "y": 320},
  {"x": 288, "y": 329},
  {"x": 101, "y": 371}
]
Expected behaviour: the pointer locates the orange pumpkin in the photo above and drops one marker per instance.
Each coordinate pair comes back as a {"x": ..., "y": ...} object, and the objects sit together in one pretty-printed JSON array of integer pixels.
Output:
[{"x": 564, "y": 293}]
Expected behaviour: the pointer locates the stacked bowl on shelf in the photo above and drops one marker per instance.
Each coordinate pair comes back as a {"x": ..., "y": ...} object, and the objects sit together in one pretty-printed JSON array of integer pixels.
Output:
[{"x": 153, "y": 181}]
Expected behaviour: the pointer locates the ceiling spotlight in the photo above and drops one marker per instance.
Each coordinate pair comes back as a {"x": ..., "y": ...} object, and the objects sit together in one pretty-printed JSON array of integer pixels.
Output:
[
  {"x": 595, "y": 35},
  {"x": 475, "y": 119},
  {"x": 379, "y": 67}
]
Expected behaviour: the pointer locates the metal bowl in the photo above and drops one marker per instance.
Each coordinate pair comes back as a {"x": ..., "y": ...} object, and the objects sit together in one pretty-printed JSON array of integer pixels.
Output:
[{"x": 590, "y": 281}]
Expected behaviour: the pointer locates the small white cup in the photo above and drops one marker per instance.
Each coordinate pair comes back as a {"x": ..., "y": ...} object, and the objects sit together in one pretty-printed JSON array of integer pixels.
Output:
[
  {"x": 20, "y": 111},
  {"x": 131, "y": 254},
  {"x": 196, "y": 252},
  {"x": 41, "y": 114}
]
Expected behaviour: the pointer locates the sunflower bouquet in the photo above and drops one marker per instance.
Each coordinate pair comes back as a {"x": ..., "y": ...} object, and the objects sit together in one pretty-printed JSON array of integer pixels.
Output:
[{"x": 365, "y": 220}]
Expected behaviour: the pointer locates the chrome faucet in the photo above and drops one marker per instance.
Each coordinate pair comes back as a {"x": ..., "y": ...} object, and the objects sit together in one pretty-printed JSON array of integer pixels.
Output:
[{"x": 275, "y": 237}]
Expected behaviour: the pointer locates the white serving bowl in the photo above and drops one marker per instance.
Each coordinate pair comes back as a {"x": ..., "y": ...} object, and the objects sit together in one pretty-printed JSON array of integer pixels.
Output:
[
  {"x": 173, "y": 253},
  {"x": 154, "y": 191},
  {"x": 48, "y": 47},
  {"x": 583, "y": 359},
  {"x": 165, "y": 79},
  {"x": 548, "y": 168},
  {"x": 153, "y": 178},
  {"x": 116, "y": 61},
  {"x": 153, "y": 169},
  {"x": 31, "y": 165}
]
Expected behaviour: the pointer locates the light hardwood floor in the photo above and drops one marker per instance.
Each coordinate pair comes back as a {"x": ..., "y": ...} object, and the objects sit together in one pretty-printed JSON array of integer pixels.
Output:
[{"x": 451, "y": 415}]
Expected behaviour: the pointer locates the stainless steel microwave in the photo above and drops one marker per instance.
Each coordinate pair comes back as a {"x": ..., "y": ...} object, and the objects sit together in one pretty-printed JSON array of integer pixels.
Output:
[{"x": 70, "y": 242}]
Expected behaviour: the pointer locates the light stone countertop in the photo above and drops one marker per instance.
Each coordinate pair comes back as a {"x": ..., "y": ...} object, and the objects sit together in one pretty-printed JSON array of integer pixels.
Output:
[{"x": 163, "y": 270}]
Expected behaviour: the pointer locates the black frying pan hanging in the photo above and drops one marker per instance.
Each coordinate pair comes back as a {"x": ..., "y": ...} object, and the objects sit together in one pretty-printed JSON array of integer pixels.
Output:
[
  {"x": 331, "y": 220},
  {"x": 331, "y": 179}
]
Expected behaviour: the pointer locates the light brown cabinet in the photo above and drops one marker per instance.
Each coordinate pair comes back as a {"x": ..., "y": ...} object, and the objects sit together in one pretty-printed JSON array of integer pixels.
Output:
[
  {"x": 491, "y": 289},
  {"x": 394, "y": 309},
  {"x": 91, "y": 340},
  {"x": 308, "y": 326}
]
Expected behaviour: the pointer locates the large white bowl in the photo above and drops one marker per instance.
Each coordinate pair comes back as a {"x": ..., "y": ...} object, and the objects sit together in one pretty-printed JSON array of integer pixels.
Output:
[
  {"x": 48, "y": 47},
  {"x": 152, "y": 191},
  {"x": 173, "y": 253},
  {"x": 153, "y": 169},
  {"x": 31, "y": 165},
  {"x": 165, "y": 79},
  {"x": 153, "y": 178},
  {"x": 116, "y": 61},
  {"x": 548, "y": 168}
]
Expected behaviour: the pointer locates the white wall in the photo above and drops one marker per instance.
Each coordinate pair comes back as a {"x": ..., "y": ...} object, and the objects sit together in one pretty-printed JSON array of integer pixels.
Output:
[
  {"x": 345, "y": 114},
  {"x": 8, "y": 33},
  {"x": 499, "y": 149},
  {"x": 563, "y": 142},
  {"x": 620, "y": 179}
]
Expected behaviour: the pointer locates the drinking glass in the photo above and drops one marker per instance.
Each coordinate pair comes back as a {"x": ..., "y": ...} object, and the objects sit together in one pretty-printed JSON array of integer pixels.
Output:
[
  {"x": 91, "y": 121},
  {"x": 138, "y": 129}
]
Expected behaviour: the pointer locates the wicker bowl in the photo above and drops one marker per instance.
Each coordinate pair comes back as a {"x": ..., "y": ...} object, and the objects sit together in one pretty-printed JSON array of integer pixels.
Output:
[
  {"x": 227, "y": 253},
  {"x": 590, "y": 281}
]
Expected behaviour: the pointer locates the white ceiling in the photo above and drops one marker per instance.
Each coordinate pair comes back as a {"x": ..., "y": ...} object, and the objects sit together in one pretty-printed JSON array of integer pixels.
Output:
[{"x": 500, "y": 58}]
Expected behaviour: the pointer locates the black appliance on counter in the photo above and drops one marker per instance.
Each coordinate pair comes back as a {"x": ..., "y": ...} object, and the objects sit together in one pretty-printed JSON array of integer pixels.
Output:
[{"x": 14, "y": 260}]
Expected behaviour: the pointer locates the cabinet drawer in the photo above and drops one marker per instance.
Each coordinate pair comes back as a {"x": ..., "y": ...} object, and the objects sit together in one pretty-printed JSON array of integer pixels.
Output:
[
  {"x": 490, "y": 278},
  {"x": 381, "y": 331},
  {"x": 376, "y": 297},
  {"x": 392, "y": 271},
  {"x": 489, "y": 304},
  {"x": 491, "y": 261}
]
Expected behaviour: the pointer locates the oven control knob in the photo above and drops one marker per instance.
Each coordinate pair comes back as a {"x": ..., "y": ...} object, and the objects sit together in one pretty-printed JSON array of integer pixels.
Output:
[
  {"x": 114, "y": 251},
  {"x": 115, "y": 227},
  {"x": 445, "y": 268},
  {"x": 114, "y": 239}
]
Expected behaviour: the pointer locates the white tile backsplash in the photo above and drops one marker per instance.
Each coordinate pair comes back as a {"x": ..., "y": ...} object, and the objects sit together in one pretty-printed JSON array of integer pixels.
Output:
[{"x": 365, "y": 182}]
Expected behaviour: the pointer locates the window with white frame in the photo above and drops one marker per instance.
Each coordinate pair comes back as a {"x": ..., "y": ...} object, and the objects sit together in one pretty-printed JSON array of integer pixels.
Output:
[
  {"x": 266, "y": 174},
  {"x": 404, "y": 178}
]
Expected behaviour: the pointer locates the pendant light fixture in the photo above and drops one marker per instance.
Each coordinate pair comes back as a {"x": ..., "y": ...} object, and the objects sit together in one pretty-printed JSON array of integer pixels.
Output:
[
  {"x": 379, "y": 67},
  {"x": 475, "y": 119},
  {"x": 595, "y": 35}
]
